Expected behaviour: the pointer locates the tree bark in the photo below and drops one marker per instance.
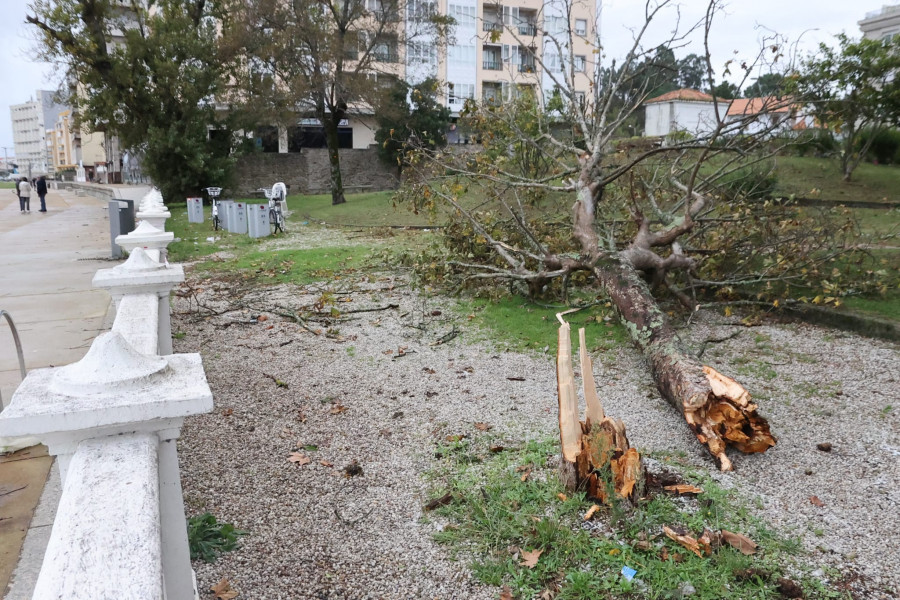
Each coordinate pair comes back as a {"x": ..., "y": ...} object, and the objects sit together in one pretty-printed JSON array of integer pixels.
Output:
[
  {"x": 334, "y": 158},
  {"x": 717, "y": 409}
]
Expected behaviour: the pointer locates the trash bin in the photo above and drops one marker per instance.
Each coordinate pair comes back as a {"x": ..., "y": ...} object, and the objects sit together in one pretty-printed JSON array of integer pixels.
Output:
[
  {"x": 195, "y": 210},
  {"x": 258, "y": 220},
  {"x": 121, "y": 222}
]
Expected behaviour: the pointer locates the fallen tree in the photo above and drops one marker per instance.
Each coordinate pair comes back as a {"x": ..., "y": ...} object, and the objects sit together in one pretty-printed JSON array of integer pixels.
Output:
[{"x": 536, "y": 149}]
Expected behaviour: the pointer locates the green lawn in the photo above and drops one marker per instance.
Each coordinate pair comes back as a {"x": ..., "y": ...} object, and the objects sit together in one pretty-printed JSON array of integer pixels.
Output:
[
  {"x": 808, "y": 177},
  {"x": 7, "y": 185}
]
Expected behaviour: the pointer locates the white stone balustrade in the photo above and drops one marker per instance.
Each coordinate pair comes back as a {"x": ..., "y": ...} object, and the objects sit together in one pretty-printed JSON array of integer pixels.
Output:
[
  {"x": 112, "y": 420},
  {"x": 150, "y": 238},
  {"x": 138, "y": 276},
  {"x": 152, "y": 210}
]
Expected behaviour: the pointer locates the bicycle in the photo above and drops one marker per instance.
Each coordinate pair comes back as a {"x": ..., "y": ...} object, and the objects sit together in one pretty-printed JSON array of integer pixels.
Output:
[
  {"x": 276, "y": 215},
  {"x": 213, "y": 194}
]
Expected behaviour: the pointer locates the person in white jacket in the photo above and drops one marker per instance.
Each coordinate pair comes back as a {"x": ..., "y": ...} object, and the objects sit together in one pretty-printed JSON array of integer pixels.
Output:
[{"x": 25, "y": 195}]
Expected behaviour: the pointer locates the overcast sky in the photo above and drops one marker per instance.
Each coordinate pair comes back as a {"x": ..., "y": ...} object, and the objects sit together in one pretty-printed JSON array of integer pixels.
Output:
[{"x": 740, "y": 28}]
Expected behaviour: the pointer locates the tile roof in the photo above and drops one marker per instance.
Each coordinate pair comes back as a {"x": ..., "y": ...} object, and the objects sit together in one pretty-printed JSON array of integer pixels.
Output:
[
  {"x": 755, "y": 106},
  {"x": 684, "y": 94}
]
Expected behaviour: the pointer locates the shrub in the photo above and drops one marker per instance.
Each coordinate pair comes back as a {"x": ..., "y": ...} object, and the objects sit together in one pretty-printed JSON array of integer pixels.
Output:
[
  {"x": 885, "y": 146},
  {"x": 749, "y": 182},
  {"x": 814, "y": 142}
]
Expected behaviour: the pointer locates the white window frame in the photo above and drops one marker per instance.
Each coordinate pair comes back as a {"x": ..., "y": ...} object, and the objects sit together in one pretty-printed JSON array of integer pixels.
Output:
[{"x": 580, "y": 26}]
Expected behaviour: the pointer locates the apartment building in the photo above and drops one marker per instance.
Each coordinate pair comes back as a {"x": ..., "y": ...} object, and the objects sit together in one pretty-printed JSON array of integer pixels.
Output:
[
  {"x": 30, "y": 121},
  {"x": 883, "y": 23},
  {"x": 497, "y": 51}
]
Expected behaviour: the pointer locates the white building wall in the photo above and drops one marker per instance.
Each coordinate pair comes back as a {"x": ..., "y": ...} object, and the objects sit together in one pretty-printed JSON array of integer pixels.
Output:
[{"x": 663, "y": 118}]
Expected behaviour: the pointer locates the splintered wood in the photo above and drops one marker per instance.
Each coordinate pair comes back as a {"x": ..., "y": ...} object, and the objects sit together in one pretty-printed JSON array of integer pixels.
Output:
[
  {"x": 596, "y": 456},
  {"x": 728, "y": 417}
]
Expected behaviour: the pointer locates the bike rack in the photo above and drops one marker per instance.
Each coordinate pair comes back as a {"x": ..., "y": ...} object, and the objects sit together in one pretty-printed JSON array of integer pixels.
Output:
[{"x": 15, "y": 334}]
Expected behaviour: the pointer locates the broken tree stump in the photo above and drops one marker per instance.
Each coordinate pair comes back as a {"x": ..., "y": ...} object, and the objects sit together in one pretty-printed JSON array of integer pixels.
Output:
[{"x": 596, "y": 456}]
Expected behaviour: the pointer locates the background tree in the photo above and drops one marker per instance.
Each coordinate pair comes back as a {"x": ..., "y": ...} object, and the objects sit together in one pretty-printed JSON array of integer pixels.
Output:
[
  {"x": 725, "y": 90},
  {"x": 147, "y": 73},
  {"x": 851, "y": 89},
  {"x": 768, "y": 84},
  {"x": 683, "y": 220},
  {"x": 324, "y": 58},
  {"x": 410, "y": 116}
]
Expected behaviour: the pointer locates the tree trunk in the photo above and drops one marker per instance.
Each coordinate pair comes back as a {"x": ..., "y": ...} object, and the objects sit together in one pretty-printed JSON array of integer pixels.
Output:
[
  {"x": 334, "y": 159},
  {"x": 717, "y": 409}
]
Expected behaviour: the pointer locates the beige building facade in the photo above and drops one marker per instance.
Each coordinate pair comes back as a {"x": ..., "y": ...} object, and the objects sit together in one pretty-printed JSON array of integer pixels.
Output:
[{"x": 882, "y": 23}]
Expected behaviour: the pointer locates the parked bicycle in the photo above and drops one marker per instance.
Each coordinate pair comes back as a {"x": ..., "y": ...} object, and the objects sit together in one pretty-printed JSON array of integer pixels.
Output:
[
  {"x": 213, "y": 195},
  {"x": 276, "y": 214}
]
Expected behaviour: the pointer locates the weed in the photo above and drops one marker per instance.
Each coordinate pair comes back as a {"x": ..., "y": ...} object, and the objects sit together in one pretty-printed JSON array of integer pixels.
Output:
[
  {"x": 351, "y": 351},
  {"x": 208, "y": 538},
  {"x": 179, "y": 335}
]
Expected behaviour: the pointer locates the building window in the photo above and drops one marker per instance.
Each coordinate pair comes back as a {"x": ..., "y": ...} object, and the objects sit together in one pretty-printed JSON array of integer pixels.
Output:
[
  {"x": 580, "y": 26},
  {"x": 580, "y": 62},
  {"x": 460, "y": 92},
  {"x": 461, "y": 55},
  {"x": 463, "y": 15}
]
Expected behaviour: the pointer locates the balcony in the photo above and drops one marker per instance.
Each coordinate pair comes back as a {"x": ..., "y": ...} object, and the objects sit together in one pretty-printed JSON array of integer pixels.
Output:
[
  {"x": 492, "y": 65},
  {"x": 526, "y": 68},
  {"x": 527, "y": 29},
  {"x": 386, "y": 57},
  {"x": 491, "y": 26}
]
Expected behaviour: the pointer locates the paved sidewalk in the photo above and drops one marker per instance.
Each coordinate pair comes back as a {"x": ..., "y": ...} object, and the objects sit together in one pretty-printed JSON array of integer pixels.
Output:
[{"x": 48, "y": 262}]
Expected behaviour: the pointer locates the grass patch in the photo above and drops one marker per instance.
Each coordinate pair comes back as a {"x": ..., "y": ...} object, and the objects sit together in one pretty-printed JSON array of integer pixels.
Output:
[
  {"x": 519, "y": 324},
  {"x": 7, "y": 185},
  {"x": 882, "y": 306},
  {"x": 192, "y": 240},
  {"x": 810, "y": 177},
  {"x": 495, "y": 517},
  {"x": 375, "y": 209},
  {"x": 298, "y": 266}
]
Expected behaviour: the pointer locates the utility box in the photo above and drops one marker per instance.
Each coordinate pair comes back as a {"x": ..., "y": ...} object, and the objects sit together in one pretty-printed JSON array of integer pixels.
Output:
[
  {"x": 258, "y": 220},
  {"x": 225, "y": 213},
  {"x": 239, "y": 223},
  {"x": 195, "y": 210},
  {"x": 121, "y": 222}
]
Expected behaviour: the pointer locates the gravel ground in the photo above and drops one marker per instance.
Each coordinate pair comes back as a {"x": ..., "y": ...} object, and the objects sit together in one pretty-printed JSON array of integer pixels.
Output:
[{"x": 376, "y": 392}]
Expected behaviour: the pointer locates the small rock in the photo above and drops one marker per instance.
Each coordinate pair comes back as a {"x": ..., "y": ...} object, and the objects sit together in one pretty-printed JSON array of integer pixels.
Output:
[
  {"x": 686, "y": 589},
  {"x": 824, "y": 446}
]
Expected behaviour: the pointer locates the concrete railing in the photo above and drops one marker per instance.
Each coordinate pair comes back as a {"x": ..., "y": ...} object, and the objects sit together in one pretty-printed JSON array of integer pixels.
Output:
[{"x": 112, "y": 420}]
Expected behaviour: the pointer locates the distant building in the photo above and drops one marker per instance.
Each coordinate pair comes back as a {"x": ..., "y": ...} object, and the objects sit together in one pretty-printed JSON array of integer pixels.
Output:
[
  {"x": 30, "y": 121},
  {"x": 687, "y": 110},
  {"x": 880, "y": 24}
]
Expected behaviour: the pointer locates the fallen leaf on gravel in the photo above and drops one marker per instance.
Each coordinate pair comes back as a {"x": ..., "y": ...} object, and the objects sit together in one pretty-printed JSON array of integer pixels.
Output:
[
  {"x": 385, "y": 432},
  {"x": 707, "y": 540},
  {"x": 299, "y": 458},
  {"x": 683, "y": 489},
  {"x": 562, "y": 497},
  {"x": 337, "y": 409},
  {"x": 438, "y": 502},
  {"x": 455, "y": 438},
  {"x": 325, "y": 463},
  {"x": 591, "y": 511},
  {"x": 525, "y": 471},
  {"x": 262, "y": 318},
  {"x": 505, "y": 593},
  {"x": 740, "y": 542},
  {"x": 816, "y": 502},
  {"x": 388, "y": 352},
  {"x": 223, "y": 590},
  {"x": 483, "y": 427},
  {"x": 429, "y": 370},
  {"x": 353, "y": 469},
  {"x": 530, "y": 558},
  {"x": 497, "y": 448},
  {"x": 824, "y": 447},
  {"x": 685, "y": 540},
  {"x": 228, "y": 412}
]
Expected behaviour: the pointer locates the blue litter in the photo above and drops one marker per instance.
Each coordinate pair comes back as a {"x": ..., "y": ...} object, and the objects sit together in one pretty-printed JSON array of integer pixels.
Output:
[{"x": 628, "y": 573}]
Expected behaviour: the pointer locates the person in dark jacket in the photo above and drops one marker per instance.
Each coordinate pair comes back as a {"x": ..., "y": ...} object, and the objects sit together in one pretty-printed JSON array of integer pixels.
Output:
[{"x": 41, "y": 189}]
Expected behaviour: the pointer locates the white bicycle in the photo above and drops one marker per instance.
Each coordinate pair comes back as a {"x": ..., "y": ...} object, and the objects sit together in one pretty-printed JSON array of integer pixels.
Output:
[{"x": 276, "y": 197}]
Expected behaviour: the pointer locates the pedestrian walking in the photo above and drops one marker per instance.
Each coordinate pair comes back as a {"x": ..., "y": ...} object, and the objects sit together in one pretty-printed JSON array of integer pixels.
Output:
[
  {"x": 41, "y": 189},
  {"x": 25, "y": 195}
]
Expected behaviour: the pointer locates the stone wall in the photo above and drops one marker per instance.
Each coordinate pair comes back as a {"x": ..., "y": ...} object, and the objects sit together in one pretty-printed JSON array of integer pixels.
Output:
[{"x": 308, "y": 172}]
